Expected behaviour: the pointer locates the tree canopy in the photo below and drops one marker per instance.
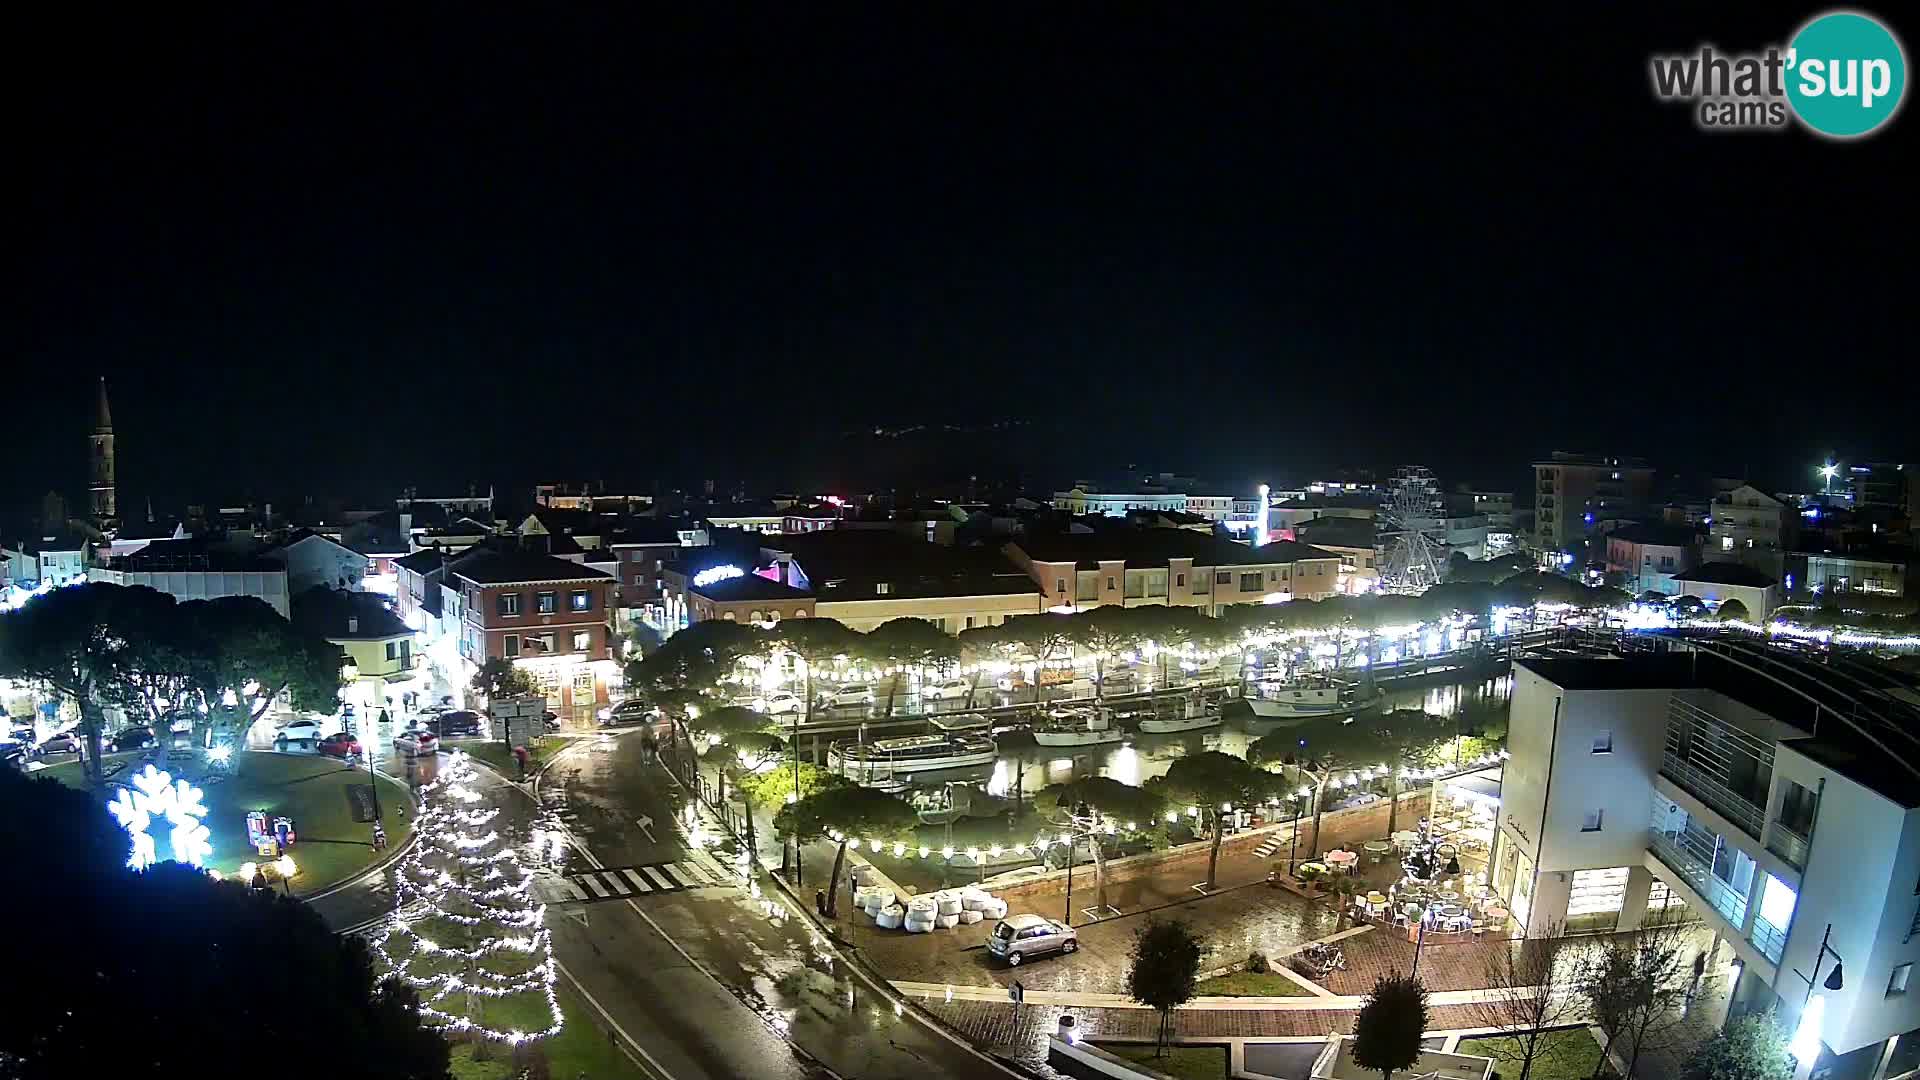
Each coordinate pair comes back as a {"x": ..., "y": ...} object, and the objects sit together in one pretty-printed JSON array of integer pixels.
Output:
[
  {"x": 1753, "y": 1047},
  {"x": 1390, "y": 1024},
  {"x": 161, "y": 972},
  {"x": 502, "y": 678},
  {"x": 1165, "y": 967}
]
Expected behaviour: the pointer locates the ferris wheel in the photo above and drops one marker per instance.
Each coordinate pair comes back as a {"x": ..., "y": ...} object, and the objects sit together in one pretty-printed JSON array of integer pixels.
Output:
[{"x": 1411, "y": 555}]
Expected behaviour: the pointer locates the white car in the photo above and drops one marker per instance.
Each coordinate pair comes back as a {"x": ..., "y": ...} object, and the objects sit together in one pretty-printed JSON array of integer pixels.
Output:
[
  {"x": 850, "y": 694},
  {"x": 948, "y": 690},
  {"x": 781, "y": 704},
  {"x": 299, "y": 731}
]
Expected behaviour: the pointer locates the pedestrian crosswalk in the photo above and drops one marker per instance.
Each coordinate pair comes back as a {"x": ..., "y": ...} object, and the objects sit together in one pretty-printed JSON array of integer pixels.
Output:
[{"x": 623, "y": 882}]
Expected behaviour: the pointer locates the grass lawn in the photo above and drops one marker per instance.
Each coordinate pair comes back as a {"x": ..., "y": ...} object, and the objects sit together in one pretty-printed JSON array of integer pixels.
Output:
[
  {"x": 500, "y": 756},
  {"x": 1184, "y": 1062},
  {"x": 310, "y": 789},
  {"x": 1565, "y": 1054},
  {"x": 1250, "y": 984}
]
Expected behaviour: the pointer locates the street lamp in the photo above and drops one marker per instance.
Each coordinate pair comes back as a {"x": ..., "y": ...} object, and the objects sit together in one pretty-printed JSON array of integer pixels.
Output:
[
  {"x": 1805, "y": 1046},
  {"x": 285, "y": 865},
  {"x": 1827, "y": 473}
]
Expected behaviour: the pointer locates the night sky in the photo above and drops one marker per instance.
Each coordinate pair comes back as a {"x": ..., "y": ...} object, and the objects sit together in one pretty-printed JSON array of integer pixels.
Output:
[{"x": 344, "y": 251}]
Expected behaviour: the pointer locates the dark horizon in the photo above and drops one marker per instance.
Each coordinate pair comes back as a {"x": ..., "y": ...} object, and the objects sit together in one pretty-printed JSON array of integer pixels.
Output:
[{"x": 345, "y": 253}]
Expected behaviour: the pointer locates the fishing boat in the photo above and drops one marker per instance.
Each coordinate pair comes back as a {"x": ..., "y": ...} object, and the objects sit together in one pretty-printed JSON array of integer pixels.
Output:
[
  {"x": 1296, "y": 702},
  {"x": 1168, "y": 725},
  {"x": 1077, "y": 727},
  {"x": 885, "y": 759}
]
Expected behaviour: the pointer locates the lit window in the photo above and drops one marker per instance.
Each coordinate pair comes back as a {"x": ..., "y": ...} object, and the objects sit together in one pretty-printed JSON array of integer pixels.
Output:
[
  {"x": 582, "y": 640},
  {"x": 1897, "y": 983},
  {"x": 1591, "y": 823},
  {"x": 1726, "y": 543},
  {"x": 882, "y": 588},
  {"x": 1603, "y": 742},
  {"x": 582, "y": 600}
]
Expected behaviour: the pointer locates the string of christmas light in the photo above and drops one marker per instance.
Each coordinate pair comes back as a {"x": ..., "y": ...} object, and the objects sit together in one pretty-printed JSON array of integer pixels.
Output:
[{"x": 463, "y": 899}]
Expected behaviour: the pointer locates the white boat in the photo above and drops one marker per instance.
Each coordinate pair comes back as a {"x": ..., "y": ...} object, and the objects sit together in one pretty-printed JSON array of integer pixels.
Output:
[
  {"x": 1179, "y": 723},
  {"x": 1077, "y": 727},
  {"x": 884, "y": 759},
  {"x": 1280, "y": 702}
]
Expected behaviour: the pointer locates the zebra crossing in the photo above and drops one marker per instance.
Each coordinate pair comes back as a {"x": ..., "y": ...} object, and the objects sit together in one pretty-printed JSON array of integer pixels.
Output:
[{"x": 625, "y": 882}]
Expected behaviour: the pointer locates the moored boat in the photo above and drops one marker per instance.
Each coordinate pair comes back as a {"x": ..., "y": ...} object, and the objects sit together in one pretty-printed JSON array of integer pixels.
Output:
[
  {"x": 889, "y": 758},
  {"x": 1077, "y": 727},
  {"x": 1293, "y": 703},
  {"x": 1168, "y": 725}
]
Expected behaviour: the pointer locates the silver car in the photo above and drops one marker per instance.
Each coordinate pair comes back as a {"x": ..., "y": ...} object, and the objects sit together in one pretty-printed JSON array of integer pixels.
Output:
[{"x": 1018, "y": 938}]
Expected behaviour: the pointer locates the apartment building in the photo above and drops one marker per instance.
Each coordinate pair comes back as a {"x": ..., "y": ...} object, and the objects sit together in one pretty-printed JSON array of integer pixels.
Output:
[
  {"x": 1645, "y": 558},
  {"x": 1753, "y": 528},
  {"x": 196, "y": 570},
  {"x": 1135, "y": 567},
  {"x": 546, "y": 614},
  {"x": 1876, "y": 571},
  {"x": 1574, "y": 492},
  {"x": 1116, "y": 504},
  {"x": 1772, "y": 798}
]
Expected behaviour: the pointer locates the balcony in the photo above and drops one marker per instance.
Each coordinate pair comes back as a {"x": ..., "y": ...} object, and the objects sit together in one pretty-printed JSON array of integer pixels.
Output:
[
  {"x": 1791, "y": 846},
  {"x": 1724, "y": 767},
  {"x": 1677, "y": 854}
]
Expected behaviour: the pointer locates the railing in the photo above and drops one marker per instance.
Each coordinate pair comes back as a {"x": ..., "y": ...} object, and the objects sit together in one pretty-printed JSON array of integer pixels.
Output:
[
  {"x": 1722, "y": 799},
  {"x": 1788, "y": 844},
  {"x": 1769, "y": 939},
  {"x": 1730, "y": 904}
]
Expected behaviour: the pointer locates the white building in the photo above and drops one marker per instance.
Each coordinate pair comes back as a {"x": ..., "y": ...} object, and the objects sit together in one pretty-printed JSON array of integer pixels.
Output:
[
  {"x": 1696, "y": 777},
  {"x": 57, "y": 560},
  {"x": 191, "y": 570},
  {"x": 1715, "y": 583},
  {"x": 312, "y": 559},
  {"x": 1116, "y": 504}
]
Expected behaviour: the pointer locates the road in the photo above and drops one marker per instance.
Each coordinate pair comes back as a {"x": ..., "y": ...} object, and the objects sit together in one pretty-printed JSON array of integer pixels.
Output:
[{"x": 703, "y": 974}]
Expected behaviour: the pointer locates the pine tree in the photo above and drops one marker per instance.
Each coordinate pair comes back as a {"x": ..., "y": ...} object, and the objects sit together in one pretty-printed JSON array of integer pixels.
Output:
[{"x": 467, "y": 933}]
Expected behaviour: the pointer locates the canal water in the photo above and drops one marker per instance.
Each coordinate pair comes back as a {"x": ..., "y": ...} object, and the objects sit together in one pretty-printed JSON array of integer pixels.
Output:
[{"x": 1024, "y": 767}]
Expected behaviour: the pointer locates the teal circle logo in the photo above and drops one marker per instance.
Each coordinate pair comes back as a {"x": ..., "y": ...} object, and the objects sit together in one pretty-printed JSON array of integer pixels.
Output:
[{"x": 1846, "y": 74}]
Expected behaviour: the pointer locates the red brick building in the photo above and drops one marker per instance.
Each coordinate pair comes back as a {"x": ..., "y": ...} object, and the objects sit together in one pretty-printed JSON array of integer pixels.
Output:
[{"x": 548, "y": 615}]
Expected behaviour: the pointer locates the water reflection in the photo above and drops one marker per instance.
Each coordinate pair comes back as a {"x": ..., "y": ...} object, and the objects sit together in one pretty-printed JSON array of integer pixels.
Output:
[{"x": 1024, "y": 768}]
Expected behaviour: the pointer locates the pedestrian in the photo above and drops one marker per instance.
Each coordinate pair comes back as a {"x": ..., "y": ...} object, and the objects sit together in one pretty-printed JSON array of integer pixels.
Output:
[
  {"x": 259, "y": 882},
  {"x": 520, "y": 757}
]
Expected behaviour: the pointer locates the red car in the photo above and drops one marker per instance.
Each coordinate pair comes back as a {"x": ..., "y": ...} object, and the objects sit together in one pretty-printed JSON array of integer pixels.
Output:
[{"x": 342, "y": 745}]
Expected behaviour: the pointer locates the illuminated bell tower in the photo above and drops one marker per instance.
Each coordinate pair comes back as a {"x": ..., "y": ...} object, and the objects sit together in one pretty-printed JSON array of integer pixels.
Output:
[{"x": 103, "y": 506}]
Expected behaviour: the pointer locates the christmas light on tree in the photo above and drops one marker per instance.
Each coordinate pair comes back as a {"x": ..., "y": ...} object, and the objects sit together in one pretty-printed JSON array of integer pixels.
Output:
[{"x": 467, "y": 933}]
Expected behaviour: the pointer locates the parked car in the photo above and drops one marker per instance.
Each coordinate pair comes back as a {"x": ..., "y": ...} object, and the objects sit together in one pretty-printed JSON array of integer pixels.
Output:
[
  {"x": 551, "y": 720},
  {"x": 341, "y": 745},
  {"x": 948, "y": 690},
  {"x": 630, "y": 711},
  {"x": 850, "y": 694},
  {"x": 66, "y": 742},
  {"x": 300, "y": 731},
  {"x": 782, "y": 703},
  {"x": 133, "y": 738},
  {"x": 1018, "y": 938},
  {"x": 460, "y": 722},
  {"x": 417, "y": 740}
]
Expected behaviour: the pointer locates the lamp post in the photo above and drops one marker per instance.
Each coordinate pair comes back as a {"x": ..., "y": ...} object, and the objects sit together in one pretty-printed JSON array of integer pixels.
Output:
[
  {"x": 1834, "y": 979},
  {"x": 1805, "y": 1045},
  {"x": 285, "y": 865}
]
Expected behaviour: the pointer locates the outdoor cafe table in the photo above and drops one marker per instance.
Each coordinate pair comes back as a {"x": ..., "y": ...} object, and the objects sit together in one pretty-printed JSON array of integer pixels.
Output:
[
  {"x": 1342, "y": 859},
  {"x": 1406, "y": 838},
  {"x": 1313, "y": 868},
  {"x": 1377, "y": 849},
  {"x": 1497, "y": 913}
]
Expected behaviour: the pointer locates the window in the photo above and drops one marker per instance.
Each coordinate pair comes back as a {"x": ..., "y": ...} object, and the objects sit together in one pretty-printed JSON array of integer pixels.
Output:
[
  {"x": 1179, "y": 581},
  {"x": 1109, "y": 582},
  {"x": 1223, "y": 577},
  {"x": 1250, "y": 582},
  {"x": 969, "y": 622},
  {"x": 582, "y": 600},
  {"x": 1796, "y": 808},
  {"x": 1591, "y": 823},
  {"x": 509, "y": 603},
  {"x": 1603, "y": 742},
  {"x": 1726, "y": 543},
  {"x": 510, "y": 645},
  {"x": 543, "y": 642},
  {"x": 393, "y": 650},
  {"x": 1897, "y": 982},
  {"x": 882, "y": 588},
  {"x": 1060, "y": 585},
  {"x": 583, "y": 640},
  {"x": 544, "y": 603}
]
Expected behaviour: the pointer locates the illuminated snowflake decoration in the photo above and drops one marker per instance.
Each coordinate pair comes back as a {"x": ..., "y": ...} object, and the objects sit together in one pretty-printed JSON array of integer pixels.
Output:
[{"x": 157, "y": 795}]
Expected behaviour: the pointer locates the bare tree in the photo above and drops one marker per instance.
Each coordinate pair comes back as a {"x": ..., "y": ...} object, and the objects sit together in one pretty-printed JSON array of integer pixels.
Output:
[
  {"x": 1529, "y": 990},
  {"x": 1635, "y": 987}
]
